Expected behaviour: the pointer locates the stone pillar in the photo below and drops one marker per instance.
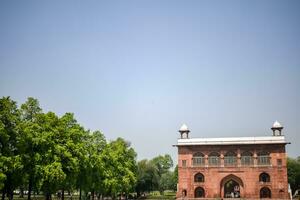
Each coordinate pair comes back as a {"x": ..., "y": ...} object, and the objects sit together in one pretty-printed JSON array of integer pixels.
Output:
[
  {"x": 239, "y": 163},
  {"x": 255, "y": 158},
  {"x": 222, "y": 159}
]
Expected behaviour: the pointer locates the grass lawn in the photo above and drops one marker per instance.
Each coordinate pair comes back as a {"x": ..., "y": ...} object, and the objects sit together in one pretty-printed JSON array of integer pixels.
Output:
[{"x": 166, "y": 195}]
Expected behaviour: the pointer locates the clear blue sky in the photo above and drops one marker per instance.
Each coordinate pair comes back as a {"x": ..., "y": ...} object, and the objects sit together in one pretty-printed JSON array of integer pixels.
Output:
[{"x": 139, "y": 69}]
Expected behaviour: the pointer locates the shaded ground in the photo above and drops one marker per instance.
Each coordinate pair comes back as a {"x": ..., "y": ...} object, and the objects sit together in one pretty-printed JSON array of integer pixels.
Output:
[{"x": 153, "y": 195}]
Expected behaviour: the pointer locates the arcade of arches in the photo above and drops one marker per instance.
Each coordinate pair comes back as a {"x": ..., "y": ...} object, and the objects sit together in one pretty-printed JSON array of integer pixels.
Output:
[{"x": 231, "y": 186}]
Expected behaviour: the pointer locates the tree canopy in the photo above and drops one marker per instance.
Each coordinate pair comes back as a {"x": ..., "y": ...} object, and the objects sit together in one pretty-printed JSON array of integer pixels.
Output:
[
  {"x": 50, "y": 153},
  {"x": 293, "y": 166},
  {"x": 156, "y": 174}
]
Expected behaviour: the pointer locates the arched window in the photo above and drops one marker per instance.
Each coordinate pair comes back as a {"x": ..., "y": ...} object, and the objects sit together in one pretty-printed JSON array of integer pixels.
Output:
[
  {"x": 247, "y": 158},
  {"x": 214, "y": 159},
  {"x": 264, "y": 177},
  {"x": 230, "y": 159},
  {"x": 184, "y": 193},
  {"x": 199, "y": 177},
  {"x": 265, "y": 192},
  {"x": 199, "y": 192},
  {"x": 263, "y": 158},
  {"x": 198, "y": 159}
]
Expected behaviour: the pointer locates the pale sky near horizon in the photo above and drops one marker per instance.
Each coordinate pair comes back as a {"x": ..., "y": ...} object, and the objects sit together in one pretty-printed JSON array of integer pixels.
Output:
[{"x": 139, "y": 69}]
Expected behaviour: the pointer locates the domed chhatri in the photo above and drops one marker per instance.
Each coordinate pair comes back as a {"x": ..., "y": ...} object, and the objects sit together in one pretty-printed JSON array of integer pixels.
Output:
[
  {"x": 184, "y": 130},
  {"x": 277, "y": 128},
  {"x": 277, "y": 125}
]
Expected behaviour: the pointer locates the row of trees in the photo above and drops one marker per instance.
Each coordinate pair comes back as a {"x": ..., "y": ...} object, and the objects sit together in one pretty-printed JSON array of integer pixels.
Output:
[{"x": 43, "y": 152}]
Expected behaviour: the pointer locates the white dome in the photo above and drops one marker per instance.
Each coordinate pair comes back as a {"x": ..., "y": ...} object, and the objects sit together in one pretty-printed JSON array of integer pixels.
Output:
[
  {"x": 276, "y": 125},
  {"x": 184, "y": 128}
]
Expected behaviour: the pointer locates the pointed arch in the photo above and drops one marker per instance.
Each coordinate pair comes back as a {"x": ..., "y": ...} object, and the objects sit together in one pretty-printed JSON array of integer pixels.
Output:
[
  {"x": 235, "y": 182},
  {"x": 264, "y": 177},
  {"x": 232, "y": 177},
  {"x": 199, "y": 177},
  {"x": 265, "y": 192},
  {"x": 199, "y": 192},
  {"x": 184, "y": 193}
]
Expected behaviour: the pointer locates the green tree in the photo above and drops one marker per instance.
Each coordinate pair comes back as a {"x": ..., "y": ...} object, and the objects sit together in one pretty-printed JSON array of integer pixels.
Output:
[
  {"x": 68, "y": 149},
  {"x": 163, "y": 163},
  {"x": 30, "y": 109},
  {"x": 147, "y": 177},
  {"x": 156, "y": 175},
  {"x": 10, "y": 160},
  {"x": 30, "y": 129},
  {"x": 175, "y": 178},
  {"x": 120, "y": 164},
  {"x": 91, "y": 176},
  {"x": 50, "y": 167},
  {"x": 83, "y": 177},
  {"x": 293, "y": 167},
  {"x": 2, "y": 169},
  {"x": 166, "y": 181}
]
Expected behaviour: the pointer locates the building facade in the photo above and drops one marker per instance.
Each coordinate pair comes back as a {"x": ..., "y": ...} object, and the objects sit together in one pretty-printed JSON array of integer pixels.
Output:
[{"x": 236, "y": 167}]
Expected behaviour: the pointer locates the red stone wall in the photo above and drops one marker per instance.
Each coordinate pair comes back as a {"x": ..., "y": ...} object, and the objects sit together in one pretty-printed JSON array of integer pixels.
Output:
[{"x": 249, "y": 175}]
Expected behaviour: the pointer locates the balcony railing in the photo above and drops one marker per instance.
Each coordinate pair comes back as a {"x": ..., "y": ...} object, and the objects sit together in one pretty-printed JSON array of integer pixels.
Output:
[
  {"x": 263, "y": 160},
  {"x": 234, "y": 161},
  {"x": 214, "y": 161},
  {"x": 230, "y": 161},
  {"x": 247, "y": 160},
  {"x": 198, "y": 161}
]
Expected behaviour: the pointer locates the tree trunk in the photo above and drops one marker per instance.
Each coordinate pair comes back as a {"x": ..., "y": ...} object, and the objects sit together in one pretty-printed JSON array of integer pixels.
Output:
[
  {"x": 48, "y": 196},
  {"x": 87, "y": 196},
  {"x": 80, "y": 193},
  {"x": 11, "y": 194},
  {"x": 3, "y": 194},
  {"x": 93, "y": 194},
  {"x": 63, "y": 194},
  {"x": 29, "y": 188},
  {"x": 21, "y": 192}
]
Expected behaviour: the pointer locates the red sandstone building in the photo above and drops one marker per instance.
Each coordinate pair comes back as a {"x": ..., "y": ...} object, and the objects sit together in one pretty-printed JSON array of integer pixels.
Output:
[{"x": 236, "y": 167}]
